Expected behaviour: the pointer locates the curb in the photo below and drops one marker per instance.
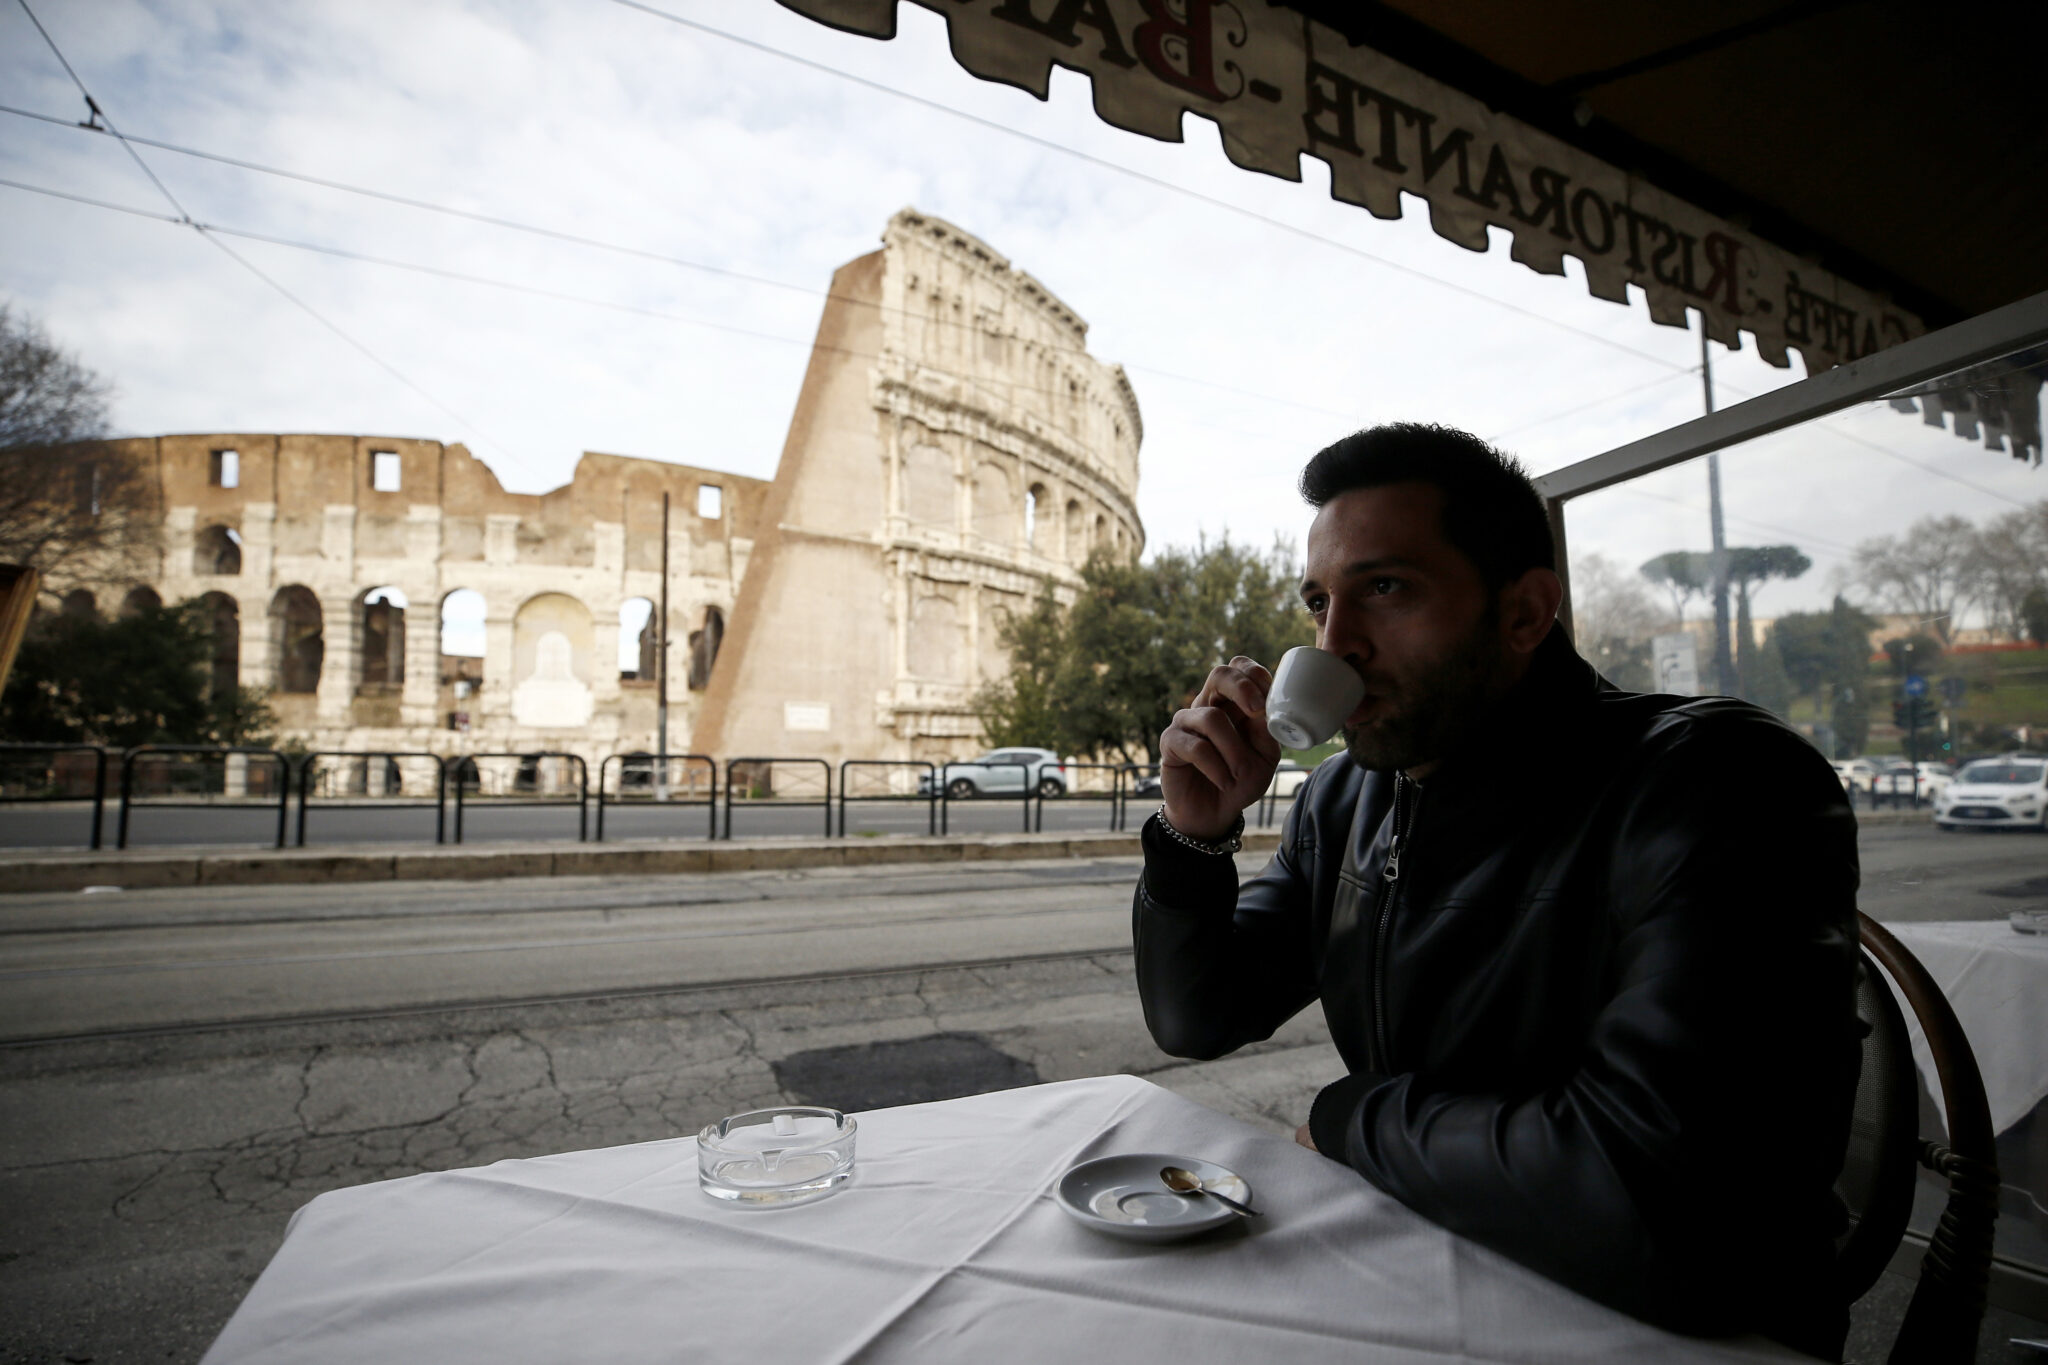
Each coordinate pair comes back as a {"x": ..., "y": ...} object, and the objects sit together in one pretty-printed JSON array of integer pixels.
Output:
[{"x": 70, "y": 871}]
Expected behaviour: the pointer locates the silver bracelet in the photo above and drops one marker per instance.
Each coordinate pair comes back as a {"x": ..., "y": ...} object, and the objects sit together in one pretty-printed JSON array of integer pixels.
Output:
[{"x": 1221, "y": 848}]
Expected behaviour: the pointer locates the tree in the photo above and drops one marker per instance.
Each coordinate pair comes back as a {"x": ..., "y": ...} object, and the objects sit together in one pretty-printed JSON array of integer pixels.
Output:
[
  {"x": 1613, "y": 621},
  {"x": 1106, "y": 674},
  {"x": 141, "y": 678},
  {"x": 2034, "y": 615},
  {"x": 1685, "y": 574},
  {"x": 67, "y": 499},
  {"x": 1825, "y": 656},
  {"x": 2010, "y": 565},
  {"x": 1749, "y": 566},
  {"x": 1931, "y": 572}
]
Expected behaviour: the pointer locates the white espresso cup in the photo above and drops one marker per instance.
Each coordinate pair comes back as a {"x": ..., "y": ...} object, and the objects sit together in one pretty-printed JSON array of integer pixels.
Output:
[{"x": 1313, "y": 690}]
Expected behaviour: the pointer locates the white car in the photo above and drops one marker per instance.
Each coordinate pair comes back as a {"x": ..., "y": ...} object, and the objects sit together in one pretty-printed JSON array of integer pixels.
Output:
[
  {"x": 1996, "y": 793},
  {"x": 1001, "y": 771},
  {"x": 1857, "y": 774},
  {"x": 1287, "y": 779}
]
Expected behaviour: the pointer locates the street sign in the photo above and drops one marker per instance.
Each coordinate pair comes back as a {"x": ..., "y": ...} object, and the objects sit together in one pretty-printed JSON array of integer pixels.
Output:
[{"x": 1914, "y": 686}]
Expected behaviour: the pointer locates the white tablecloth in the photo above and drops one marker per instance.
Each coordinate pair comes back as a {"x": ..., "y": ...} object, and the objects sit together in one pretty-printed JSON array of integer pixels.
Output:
[
  {"x": 946, "y": 1246},
  {"x": 1997, "y": 980}
]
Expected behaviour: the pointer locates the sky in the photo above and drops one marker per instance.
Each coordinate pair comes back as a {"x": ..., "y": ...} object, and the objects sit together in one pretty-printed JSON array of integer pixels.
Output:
[{"x": 1258, "y": 318}]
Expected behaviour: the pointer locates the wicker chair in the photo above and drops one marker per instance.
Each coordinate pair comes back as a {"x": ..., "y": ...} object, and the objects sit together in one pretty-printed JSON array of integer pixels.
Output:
[{"x": 1876, "y": 1184}]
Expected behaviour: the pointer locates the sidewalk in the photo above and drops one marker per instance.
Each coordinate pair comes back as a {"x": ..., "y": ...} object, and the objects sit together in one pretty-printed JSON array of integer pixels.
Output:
[{"x": 76, "y": 869}]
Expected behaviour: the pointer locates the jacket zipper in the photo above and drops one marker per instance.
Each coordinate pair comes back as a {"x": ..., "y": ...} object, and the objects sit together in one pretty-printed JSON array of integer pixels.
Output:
[{"x": 1390, "y": 876}]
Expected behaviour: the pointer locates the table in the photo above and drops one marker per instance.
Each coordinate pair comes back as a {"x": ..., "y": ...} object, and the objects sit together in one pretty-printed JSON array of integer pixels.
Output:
[
  {"x": 946, "y": 1246},
  {"x": 1997, "y": 980}
]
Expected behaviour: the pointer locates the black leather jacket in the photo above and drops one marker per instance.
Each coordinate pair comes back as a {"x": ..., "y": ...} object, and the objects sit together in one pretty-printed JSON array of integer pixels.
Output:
[{"x": 1598, "y": 1013}]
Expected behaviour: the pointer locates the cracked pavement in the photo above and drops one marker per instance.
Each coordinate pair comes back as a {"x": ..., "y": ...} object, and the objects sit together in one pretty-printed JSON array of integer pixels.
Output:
[
  {"x": 149, "y": 1178},
  {"x": 148, "y": 1174}
]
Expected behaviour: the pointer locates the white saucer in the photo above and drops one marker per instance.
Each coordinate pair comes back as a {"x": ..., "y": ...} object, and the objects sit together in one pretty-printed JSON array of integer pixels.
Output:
[{"x": 1123, "y": 1196}]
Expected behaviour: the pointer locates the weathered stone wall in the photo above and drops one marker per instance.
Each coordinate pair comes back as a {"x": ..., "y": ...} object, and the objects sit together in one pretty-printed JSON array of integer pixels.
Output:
[
  {"x": 305, "y": 535},
  {"x": 954, "y": 447}
]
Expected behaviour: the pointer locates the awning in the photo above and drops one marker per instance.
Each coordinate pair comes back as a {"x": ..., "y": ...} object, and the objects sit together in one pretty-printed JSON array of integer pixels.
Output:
[{"x": 1556, "y": 123}]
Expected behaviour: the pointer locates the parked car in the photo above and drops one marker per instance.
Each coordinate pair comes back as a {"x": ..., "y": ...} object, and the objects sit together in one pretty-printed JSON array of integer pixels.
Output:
[
  {"x": 1001, "y": 772},
  {"x": 1148, "y": 785},
  {"x": 1996, "y": 793},
  {"x": 1857, "y": 773}
]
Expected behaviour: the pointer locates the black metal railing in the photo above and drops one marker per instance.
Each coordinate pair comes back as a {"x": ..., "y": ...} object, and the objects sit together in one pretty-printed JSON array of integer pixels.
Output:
[
  {"x": 531, "y": 787},
  {"x": 390, "y": 776},
  {"x": 191, "y": 781},
  {"x": 930, "y": 794},
  {"x": 648, "y": 780},
  {"x": 1077, "y": 788},
  {"x": 1136, "y": 774},
  {"x": 757, "y": 777},
  {"x": 55, "y": 780}
]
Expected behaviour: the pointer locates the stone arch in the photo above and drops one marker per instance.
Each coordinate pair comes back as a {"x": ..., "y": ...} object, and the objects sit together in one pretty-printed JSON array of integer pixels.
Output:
[
  {"x": 928, "y": 487},
  {"x": 295, "y": 638},
  {"x": 463, "y": 613},
  {"x": 1099, "y": 533},
  {"x": 140, "y": 599},
  {"x": 382, "y": 618},
  {"x": 223, "y": 617},
  {"x": 1077, "y": 532},
  {"x": 639, "y": 640},
  {"x": 934, "y": 644},
  {"x": 217, "y": 551},
  {"x": 995, "y": 510},
  {"x": 79, "y": 604},
  {"x": 554, "y": 657},
  {"x": 1040, "y": 526},
  {"x": 704, "y": 645}
]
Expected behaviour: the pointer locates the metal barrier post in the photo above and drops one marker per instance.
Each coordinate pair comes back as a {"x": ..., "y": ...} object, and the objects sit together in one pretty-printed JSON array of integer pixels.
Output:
[
  {"x": 52, "y": 781},
  {"x": 284, "y": 781},
  {"x": 309, "y": 769},
  {"x": 825, "y": 802},
  {"x": 99, "y": 793},
  {"x": 932, "y": 796}
]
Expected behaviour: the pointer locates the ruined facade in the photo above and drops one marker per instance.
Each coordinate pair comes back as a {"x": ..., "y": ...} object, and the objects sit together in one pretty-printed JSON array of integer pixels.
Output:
[
  {"x": 336, "y": 567},
  {"x": 954, "y": 448}
]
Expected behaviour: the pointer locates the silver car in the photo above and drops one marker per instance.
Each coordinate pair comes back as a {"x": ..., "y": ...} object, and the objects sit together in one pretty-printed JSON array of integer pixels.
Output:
[{"x": 1001, "y": 772}]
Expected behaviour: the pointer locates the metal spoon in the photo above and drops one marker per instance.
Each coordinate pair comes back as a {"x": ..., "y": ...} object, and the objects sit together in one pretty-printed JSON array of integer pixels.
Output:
[{"x": 1187, "y": 1182}]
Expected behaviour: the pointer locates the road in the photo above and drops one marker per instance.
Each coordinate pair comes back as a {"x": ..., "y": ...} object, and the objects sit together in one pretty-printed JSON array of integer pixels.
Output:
[
  {"x": 218, "y": 1056},
  {"x": 69, "y": 824}
]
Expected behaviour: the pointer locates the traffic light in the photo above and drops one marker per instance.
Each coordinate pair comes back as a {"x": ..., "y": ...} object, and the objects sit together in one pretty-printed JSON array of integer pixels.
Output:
[{"x": 1916, "y": 713}]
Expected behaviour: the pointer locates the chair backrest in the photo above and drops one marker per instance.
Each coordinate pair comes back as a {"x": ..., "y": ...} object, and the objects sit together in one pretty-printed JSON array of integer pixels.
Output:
[
  {"x": 1941, "y": 1322},
  {"x": 1876, "y": 1183}
]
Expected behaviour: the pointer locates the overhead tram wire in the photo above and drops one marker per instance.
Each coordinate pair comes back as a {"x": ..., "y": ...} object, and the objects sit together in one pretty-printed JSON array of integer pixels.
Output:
[
  {"x": 643, "y": 253},
  {"x": 1102, "y": 163},
  {"x": 1238, "y": 210},
  {"x": 185, "y": 219},
  {"x": 535, "y": 291},
  {"x": 597, "y": 243}
]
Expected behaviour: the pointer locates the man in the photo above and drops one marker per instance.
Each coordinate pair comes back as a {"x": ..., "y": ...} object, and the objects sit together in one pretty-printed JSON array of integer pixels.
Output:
[{"x": 1592, "y": 979}]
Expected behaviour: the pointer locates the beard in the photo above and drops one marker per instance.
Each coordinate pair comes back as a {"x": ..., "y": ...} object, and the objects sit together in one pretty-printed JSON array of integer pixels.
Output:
[{"x": 1424, "y": 716}]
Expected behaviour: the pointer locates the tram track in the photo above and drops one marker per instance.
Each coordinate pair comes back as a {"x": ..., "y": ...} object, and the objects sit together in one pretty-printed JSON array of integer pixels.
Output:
[{"x": 471, "y": 1007}]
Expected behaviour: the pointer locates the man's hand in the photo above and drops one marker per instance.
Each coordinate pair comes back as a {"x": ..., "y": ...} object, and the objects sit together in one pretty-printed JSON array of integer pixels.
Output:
[
  {"x": 1216, "y": 758},
  {"x": 1301, "y": 1135}
]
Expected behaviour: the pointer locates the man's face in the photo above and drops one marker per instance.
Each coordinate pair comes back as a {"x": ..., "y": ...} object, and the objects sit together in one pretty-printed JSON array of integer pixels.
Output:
[{"x": 1411, "y": 613}]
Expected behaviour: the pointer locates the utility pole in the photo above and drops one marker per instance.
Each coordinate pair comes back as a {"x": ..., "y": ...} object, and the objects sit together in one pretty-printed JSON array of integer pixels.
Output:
[
  {"x": 661, "y": 671},
  {"x": 1724, "y": 662}
]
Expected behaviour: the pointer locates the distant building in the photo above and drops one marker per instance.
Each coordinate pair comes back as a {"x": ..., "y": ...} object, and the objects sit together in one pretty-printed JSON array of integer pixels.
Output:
[{"x": 954, "y": 448}]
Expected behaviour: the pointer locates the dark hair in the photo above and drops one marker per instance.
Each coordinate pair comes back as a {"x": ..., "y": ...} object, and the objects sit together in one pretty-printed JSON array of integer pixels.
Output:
[{"x": 1492, "y": 513}]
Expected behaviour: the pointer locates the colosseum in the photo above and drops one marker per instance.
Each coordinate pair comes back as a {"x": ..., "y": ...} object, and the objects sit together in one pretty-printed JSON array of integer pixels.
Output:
[{"x": 953, "y": 449}]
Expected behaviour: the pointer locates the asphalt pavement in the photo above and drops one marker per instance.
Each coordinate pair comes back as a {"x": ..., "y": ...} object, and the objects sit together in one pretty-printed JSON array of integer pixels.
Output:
[{"x": 215, "y": 1056}]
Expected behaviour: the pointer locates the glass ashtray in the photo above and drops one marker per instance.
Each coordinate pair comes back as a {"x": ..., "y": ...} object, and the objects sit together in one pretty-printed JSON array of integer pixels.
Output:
[{"x": 776, "y": 1157}]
